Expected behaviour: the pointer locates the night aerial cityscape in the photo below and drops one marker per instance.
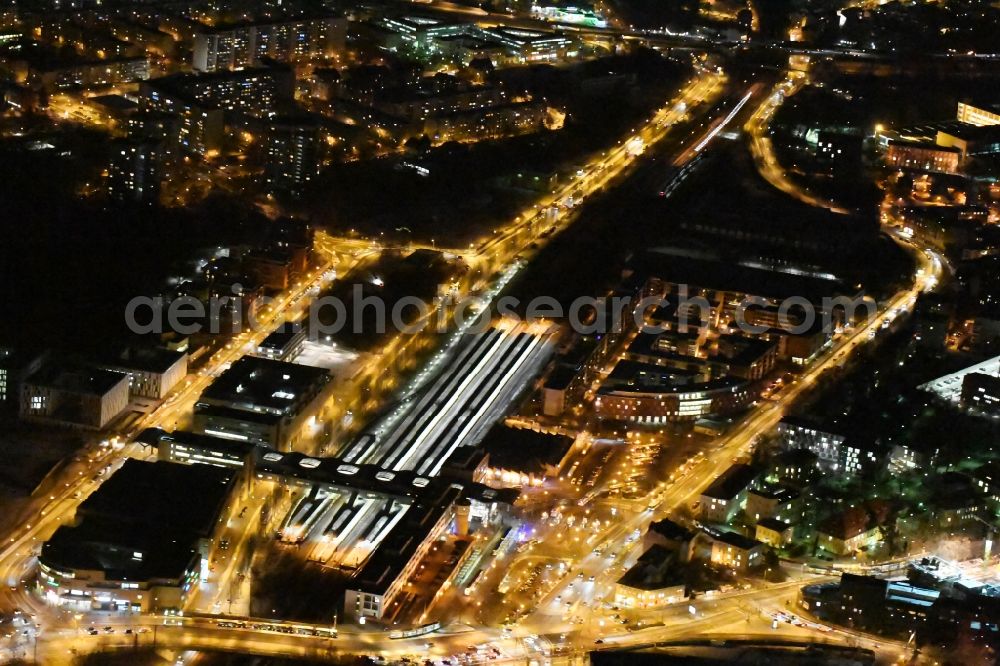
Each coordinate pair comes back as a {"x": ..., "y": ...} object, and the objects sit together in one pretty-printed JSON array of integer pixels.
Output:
[{"x": 514, "y": 332}]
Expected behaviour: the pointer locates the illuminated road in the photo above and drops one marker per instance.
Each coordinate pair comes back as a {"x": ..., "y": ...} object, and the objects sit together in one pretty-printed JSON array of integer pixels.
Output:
[
  {"x": 80, "y": 479},
  {"x": 554, "y": 213},
  {"x": 741, "y": 615},
  {"x": 95, "y": 463},
  {"x": 763, "y": 151},
  {"x": 576, "y": 602}
]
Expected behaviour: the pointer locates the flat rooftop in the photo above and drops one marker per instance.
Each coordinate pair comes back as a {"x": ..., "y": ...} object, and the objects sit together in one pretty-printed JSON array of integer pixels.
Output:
[
  {"x": 561, "y": 377},
  {"x": 648, "y": 343},
  {"x": 773, "y": 524},
  {"x": 263, "y": 385},
  {"x": 113, "y": 550},
  {"x": 810, "y": 424},
  {"x": 144, "y": 522},
  {"x": 114, "y": 102},
  {"x": 282, "y": 336},
  {"x": 404, "y": 485},
  {"x": 980, "y": 103},
  {"x": 718, "y": 275},
  {"x": 191, "y": 87},
  {"x": 923, "y": 145},
  {"x": 522, "y": 36},
  {"x": 73, "y": 378},
  {"x": 949, "y": 387},
  {"x": 647, "y": 376},
  {"x": 161, "y": 496},
  {"x": 523, "y": 450},
  {"x": 154, "y": 436},
  {"x": 145, "y": 359},
  {"x": 636, "y": 377},
  {"x": 745, "y": 350}
]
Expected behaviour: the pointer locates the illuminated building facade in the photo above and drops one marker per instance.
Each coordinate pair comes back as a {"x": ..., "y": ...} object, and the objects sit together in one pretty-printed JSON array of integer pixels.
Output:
[
  {"x": 265, "y": 402},
  {"x": 152, "y": 372},
  {"x": 232, "y": 47},
  {"x": 921, "y": 156},
  {"x": 862, "y": 525},
  {"x": 124, "y": 555},
  {"x": 725, "y": 497},
  {"x": 651, "y": 395},
  {"x": 76, "y": 396},
  {"x": 979, "y": 114},
  {"x": 293, "y": 154},
  {"x": 981, "y": 392},
  {"x": 135, "y": 171}
]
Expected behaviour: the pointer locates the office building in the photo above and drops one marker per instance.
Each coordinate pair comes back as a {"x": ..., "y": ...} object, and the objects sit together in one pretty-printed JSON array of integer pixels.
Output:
[
  {"x": 651, "y": 395},
  {"x": 797, "y": 433},
  {"x": 188, "y": 448},
  {"x": 702, "y": 292},
  {"x": 834, "y": 451},
  {"x": 144, "y": 556},
  {"x": 887, "y": 606},
  {"x": 15, "y": 366},
  {"x": 981, "y": 114},
  {"x": 949, "y": 387},
  {"x": 747, "y": 358},
  {"x": 970, "y": 140},
  {"x": 74, "y": 395},
  {"x": 284, "y": 344},
  {"x": 532, "y": 46},
  {"x": 152, "y": 372},
  {"x": 561, "y": 13},
  {"x": 417, "y": 36},
  {"x": 922, "y": 156},
  {"x": 794, "y": 344},
  {"x": 912, "y": 455},
  {"x": 981, "y": 393},
  {"x": 265, "y": 402}
]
